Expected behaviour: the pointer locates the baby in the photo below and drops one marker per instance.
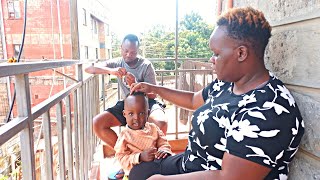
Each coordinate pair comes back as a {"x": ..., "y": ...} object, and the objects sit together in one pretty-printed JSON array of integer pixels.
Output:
[{"x": 140, "y": 141}]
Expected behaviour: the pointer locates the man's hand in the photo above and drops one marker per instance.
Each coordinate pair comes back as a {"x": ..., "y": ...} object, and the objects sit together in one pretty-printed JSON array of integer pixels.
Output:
[
  {"x": 161, "y": 154},
  {"x": 118, "y": 72},
  {"x": 148, "y": 155},
  {"x": 130, "y": 79}
]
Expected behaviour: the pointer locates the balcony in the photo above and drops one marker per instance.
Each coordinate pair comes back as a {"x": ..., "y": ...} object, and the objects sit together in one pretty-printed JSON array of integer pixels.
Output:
[{"x": 54, "y": 139}]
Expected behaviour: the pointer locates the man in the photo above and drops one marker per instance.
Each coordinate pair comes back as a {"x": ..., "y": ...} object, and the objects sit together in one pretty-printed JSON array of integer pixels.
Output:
[{"x": 130, "y": 68}]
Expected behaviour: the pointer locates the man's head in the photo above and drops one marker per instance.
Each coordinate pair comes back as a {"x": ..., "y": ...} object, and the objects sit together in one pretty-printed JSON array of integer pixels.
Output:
[
  {"x": 241, "y": 34},
  {"x": 136, "y": 110},
  {"x": 130, "y": 47}
]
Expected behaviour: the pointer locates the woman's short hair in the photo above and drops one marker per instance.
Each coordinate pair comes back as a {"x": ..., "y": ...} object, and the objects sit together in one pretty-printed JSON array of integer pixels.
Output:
[{"x": 247, "y": 25}]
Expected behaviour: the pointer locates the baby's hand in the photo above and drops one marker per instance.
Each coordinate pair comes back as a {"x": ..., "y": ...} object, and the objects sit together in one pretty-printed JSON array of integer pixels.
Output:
[
  {"x": 161, "y": 154},
  {"x": 148, "y": 155}
]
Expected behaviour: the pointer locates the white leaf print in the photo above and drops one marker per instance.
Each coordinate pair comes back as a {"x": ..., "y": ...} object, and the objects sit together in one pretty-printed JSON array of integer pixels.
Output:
[
  {"x": 256, "y": 114},
  {"x": 279, "y": 155},
  {"x": 279, "y": 109},
  {"x": 302, "y": 123},
  {"x": 205, "y": 167},
  {"x": 283, "y": 177},
  {"x": 268, "y": 104},
  {"x": 192, "y": 157},
  {"x": 281, "y": 168},
  {"x": 295, "y": 131},
  {"x": 271, "y": 133},
  {"x": 266, "y": 161},
  {"x": 201, "y": 128},
  {"x": 257, "y": 150}
]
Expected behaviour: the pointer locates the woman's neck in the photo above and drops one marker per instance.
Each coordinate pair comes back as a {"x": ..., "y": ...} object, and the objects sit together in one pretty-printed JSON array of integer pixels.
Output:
[{"x": 251, "y": 81}]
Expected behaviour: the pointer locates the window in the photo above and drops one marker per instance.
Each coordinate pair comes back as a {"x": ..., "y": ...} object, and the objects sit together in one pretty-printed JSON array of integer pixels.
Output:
[
  {"x": 107, "y": 30},
  {"x": 16, "y": 50},
  {"x": 94, "y": 27},
  {"x": 86, "y": 52},
  {"x": 84, "y": 17},
  {"x": 14, "y": 10},
  {"x": 97, "y": 55}
]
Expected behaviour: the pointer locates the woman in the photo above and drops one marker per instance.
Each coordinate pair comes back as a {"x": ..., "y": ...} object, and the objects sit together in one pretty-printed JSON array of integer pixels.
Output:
[{"x": 246, "y": 124}]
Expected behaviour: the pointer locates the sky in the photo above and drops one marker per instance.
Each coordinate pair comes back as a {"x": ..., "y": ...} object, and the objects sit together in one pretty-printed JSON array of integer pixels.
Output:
[{"x": 137, "y": 16}]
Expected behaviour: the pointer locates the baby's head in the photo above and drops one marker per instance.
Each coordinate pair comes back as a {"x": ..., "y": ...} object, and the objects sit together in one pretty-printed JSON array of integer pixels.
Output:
[{"x": 136, "y": 110}]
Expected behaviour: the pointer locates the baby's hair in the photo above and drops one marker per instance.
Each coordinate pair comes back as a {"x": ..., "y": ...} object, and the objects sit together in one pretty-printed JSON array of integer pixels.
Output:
[
  {"x": 248, "y": 26},
  {"x": 138, "y": 93}
]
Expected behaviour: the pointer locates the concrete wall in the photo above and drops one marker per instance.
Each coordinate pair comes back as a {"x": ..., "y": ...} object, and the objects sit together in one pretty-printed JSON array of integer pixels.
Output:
[{"x": 293, "y": 54}]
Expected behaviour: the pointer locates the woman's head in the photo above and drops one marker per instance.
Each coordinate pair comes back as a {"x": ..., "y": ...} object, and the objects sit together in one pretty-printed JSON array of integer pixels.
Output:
[
  {"x": 241, "y": 34},
  {"x": 136, "y": 110}
]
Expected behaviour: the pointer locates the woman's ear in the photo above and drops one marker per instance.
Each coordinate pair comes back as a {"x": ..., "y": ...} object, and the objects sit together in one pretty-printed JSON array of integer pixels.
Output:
[{"x": 242, "y": 53}]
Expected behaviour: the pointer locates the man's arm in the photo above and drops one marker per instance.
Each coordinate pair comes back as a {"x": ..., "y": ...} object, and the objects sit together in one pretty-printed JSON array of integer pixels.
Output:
[
  {"x": 233, "y": 168},
  {"x": 103, "y": 69}
]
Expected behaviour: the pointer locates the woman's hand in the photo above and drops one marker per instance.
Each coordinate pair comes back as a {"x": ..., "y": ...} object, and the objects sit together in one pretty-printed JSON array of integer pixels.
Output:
[
  {"x": 161, "y": 154},
  {"x": 142, "y": 87}
]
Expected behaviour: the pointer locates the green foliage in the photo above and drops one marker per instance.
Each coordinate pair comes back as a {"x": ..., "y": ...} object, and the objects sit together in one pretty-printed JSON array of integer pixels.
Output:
[
  {"x": 159, "y": 41},
  {"x": 116, "y": 43},
  {"x": 194, "y": 33}
]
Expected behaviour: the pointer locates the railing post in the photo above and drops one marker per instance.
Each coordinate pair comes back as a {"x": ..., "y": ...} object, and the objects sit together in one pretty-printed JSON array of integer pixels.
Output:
[
  {"x": 26, "y": 136},
  {"x": 69, "y": 138},
  {"x": 48, "y": 145},
  {"x": 81, "y": 123}
]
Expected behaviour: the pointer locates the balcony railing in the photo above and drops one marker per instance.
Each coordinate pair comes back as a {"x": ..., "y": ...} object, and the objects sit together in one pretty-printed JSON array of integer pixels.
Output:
[{"x": 74, "y": 107}]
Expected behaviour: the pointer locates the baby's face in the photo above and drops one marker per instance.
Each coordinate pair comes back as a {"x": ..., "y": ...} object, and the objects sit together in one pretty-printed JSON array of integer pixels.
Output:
[{"x": 135, "y": 111}]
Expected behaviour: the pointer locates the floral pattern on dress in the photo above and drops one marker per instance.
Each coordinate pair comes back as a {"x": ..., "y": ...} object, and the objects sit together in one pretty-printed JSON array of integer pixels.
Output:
[{"x": 254, "y": 126}]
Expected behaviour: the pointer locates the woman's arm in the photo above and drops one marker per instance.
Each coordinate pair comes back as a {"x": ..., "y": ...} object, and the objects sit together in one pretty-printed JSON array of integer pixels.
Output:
[
  {"x": 185, "y": 99},
  {"x": 233, "y": 168}
]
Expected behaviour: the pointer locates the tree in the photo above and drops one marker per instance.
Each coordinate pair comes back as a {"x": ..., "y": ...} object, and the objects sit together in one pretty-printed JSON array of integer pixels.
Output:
[{"x": 159, "y": 41}]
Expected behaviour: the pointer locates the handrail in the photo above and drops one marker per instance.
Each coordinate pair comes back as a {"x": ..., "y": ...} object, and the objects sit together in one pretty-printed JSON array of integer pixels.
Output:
[
  {"x": 85, "y": 102},
  {"x": 11, "y": 69}
]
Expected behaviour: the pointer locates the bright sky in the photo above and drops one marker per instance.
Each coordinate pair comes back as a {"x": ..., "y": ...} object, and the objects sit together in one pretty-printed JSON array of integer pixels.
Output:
[{"x": 136, "y": 16}]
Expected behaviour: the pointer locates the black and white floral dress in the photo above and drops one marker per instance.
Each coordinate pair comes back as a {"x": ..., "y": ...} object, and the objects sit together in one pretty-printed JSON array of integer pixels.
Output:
[{"x": 263, "y": 126}]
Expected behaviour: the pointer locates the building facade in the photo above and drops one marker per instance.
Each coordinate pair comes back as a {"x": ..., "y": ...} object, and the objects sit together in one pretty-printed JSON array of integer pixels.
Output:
[{"x": 48, "y": 37}]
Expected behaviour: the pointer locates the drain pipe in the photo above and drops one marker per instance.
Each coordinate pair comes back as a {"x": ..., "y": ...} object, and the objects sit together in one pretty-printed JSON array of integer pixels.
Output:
[{"x": 4, "y": 50}]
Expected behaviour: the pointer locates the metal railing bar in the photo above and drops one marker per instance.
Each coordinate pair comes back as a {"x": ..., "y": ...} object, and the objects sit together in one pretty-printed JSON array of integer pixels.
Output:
[
  {"x": 69, "y": 138},
  {"x": 76, "y": 133},
  {"x": 48, "y": 146},
  {"x": 12, "y": 128},
  {"x": 45, "y": 105},
  {"x": 27, "y": 67},
  {"x": 62, "y": 168}
]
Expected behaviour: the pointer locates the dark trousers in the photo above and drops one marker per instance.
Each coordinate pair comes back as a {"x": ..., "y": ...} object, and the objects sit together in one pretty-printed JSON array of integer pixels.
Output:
[{"x": 168, "y": 166}]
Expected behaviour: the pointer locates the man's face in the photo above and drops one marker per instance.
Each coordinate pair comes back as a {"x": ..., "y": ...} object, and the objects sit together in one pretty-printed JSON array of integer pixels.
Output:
[
  {"x": 224, "y": 59},
  {"x": 129, "y": 51},
  {"x": 136, "y": 112}
]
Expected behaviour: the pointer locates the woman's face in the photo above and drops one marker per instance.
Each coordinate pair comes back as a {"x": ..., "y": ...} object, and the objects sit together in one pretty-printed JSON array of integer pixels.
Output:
[{"x": 224, "y": 58}]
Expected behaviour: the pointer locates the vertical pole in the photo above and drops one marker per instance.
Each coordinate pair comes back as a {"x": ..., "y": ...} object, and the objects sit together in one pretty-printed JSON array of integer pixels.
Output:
[
  {"x": 81, "y": 123},
  {"x": 176, "y": 62},
  {"x": 74, "y": 30},
  {"x": 26, "y": 135}
]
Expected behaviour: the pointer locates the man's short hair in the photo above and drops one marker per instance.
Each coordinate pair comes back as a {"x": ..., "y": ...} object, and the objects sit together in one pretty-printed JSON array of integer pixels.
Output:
[{"x": 132, "y": 38}]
